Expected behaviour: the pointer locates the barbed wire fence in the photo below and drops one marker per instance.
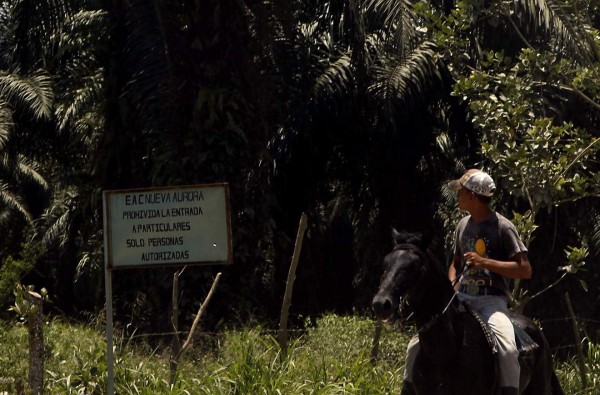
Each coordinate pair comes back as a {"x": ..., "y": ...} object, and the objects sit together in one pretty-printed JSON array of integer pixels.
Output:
[{"x": 298, "y": 332}]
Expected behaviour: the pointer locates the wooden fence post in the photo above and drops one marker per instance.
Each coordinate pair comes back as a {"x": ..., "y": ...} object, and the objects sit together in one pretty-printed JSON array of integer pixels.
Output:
[
  {"x": 376, "y": 340},
  {"x": 175, "y": 356},
  {"x": 287, "y": 299},
  {"x": 580, "y": 356},
  {"x": 176, "y": 345},
  {"x": 35, "y": 321}
]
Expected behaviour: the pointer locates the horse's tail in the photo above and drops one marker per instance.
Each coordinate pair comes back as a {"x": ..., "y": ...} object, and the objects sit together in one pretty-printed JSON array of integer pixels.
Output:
[{"x": 555, "y": 385}]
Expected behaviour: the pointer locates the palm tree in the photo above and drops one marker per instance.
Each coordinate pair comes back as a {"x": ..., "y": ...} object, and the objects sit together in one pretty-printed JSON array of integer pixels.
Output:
[
  {"x": 49, "y": 91},
  {"x": 30, "y": 96},
  {"x": 373, "y": 93}
]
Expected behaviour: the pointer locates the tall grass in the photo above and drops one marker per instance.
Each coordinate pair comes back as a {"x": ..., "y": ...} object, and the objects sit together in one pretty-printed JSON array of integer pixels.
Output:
[
  {"x": 332, "y": 357},
  {"x": 570, "y": 376}
]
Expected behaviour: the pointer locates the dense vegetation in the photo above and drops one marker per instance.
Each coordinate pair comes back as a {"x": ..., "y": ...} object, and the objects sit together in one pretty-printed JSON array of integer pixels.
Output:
[
  {"x": 332, "y": 358},
  {"x": 354, "y": 112}
]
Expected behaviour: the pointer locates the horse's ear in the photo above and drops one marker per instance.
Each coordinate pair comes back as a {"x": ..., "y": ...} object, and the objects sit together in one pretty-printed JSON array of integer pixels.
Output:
[
  {"x": 395, "y": 236},
  {"x": 420, "y": 239}
]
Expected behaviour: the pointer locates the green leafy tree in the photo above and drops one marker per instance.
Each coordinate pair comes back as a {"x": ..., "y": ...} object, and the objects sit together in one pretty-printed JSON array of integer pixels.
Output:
[{"x": 522, "y": 93}]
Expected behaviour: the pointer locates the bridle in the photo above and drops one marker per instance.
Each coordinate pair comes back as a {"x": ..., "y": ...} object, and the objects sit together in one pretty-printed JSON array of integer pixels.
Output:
[
  {"x": 426, "y": 259},
  {"x": 412, "y": 247}
]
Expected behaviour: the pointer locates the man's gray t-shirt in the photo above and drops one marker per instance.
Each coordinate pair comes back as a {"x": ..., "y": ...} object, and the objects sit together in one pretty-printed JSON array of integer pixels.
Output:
[{"x": 495, "y": 238}]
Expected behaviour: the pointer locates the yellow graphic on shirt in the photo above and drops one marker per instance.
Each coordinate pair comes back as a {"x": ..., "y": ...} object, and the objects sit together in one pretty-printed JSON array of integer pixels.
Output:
[{"x": 480, "y": 247}]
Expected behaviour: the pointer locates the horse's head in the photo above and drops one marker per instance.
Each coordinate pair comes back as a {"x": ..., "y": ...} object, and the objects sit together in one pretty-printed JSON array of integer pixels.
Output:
[{"x": 404, "y": 267}]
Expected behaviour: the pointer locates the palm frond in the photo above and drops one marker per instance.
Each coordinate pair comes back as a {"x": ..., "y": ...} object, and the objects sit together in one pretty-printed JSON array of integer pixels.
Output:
[
  {"x": 34, "y": 22},
  {"x": 54, "y": 224},
  {"x": 58, "y": 229},
  {"x": 406, "y": 80},
  {"x": 550, "y": 17},
  {"x": 33, "y": 93},
  {"x": 337, "y": 78},
  {"x": 83, "y": 99},
  {"x": 398, "y": 17},
  {"x": 28, "y": 169},
  {"x": 88, "y": 128},
  {"x": 6, "y": 123},
  {"x": 92, "y": 257},
  {"x": 596, "y": 234},
  {"x": 13, "y": 201},
  {"x": 392, "y": 11},
  {"x": 19, "y": 168},
  {"x": 88, "y": 20},
  {"x": 74, "y": 44},
  {"x": 445, "y": 146}
]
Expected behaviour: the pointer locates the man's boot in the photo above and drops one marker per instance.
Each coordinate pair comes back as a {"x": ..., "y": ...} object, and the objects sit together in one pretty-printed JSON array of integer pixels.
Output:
[{"x": 509, "y": 391}]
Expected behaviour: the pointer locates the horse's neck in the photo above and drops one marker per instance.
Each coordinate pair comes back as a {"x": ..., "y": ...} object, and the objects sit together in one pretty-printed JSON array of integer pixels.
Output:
[
  {"x": 438, "y": 318},
  {"x": 433, "y": 296}
]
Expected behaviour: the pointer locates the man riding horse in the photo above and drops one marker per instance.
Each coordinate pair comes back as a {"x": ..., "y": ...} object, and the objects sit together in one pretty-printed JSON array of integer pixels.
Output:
[{"x": 487, "y": 252}]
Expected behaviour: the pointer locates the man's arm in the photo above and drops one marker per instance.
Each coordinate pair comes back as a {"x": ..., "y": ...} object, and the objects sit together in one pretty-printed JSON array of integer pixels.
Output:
[
  {"x": 453, "y": 271},
  {"x": 517, "y": 267}
]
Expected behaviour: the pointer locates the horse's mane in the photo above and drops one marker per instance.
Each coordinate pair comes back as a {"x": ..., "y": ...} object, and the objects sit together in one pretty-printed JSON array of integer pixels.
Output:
[
  {"x": 417, "y": 238},
  {"x": 423, "y": 240}
]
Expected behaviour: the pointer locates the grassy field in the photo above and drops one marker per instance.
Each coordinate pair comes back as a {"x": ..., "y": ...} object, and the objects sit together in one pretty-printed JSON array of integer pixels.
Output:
[{"x": 332, "y": 358}]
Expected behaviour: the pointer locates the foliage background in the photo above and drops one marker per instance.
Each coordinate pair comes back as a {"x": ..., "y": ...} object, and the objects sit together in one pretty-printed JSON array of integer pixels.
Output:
[{"x": 355, "y": 112}]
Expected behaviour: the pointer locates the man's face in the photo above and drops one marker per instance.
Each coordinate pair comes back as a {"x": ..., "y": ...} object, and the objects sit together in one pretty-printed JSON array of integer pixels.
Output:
[{"x": 464, "y": 196}]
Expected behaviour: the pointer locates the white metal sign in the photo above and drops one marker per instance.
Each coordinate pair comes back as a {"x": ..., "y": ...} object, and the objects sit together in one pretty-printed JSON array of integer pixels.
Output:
[{"x": 167, "y": 226}]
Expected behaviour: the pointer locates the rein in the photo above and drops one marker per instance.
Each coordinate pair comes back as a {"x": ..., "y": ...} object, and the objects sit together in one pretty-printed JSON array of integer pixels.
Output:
[
  {"x": 425, "y": 258},
  {"x": 457, "y": 279}
]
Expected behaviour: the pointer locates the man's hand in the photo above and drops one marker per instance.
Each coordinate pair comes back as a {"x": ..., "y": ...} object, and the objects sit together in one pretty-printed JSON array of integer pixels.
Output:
[
  {"x": 517, "y": 267},
  {"x": 474, "y": 260}
]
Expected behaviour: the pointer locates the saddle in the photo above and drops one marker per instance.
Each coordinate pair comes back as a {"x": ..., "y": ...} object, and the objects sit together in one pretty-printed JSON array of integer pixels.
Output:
[{"x": 525, "y": 343}]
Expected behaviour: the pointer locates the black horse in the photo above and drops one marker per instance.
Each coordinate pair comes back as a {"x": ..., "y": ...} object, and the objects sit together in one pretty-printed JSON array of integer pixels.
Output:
[{"x": 455, "y": 356}]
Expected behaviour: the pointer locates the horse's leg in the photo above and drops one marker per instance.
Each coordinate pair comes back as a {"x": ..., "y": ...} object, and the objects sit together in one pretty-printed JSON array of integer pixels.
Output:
[
  {"x": 556, "y": 388},
  {"x": 407, "y": 389},
  {"x": 543, "y": 380}
]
